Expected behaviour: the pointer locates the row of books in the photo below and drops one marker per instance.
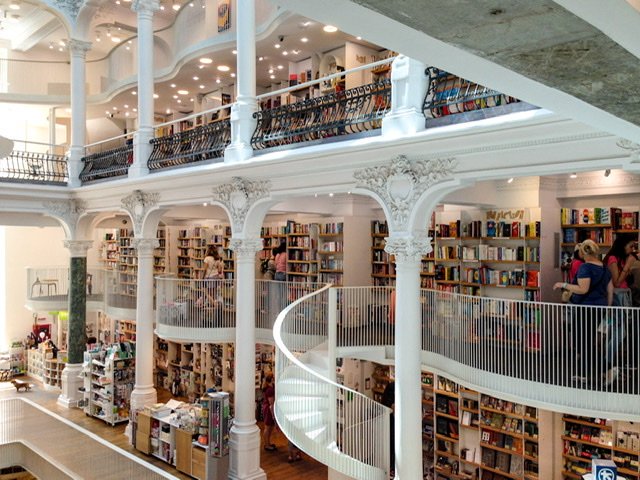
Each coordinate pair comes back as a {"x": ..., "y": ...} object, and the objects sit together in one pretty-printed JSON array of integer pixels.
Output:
[
  {"x": 501, "y": 440},
  {"x": 502, "y": 461},
  {"x": 301, "y": 255},
  {"x": 330, "y": 263},
  {"x": 489, "y": 276},
  {"x": 301, "y": 242},
  {"x": 487, "y": 252},
  {"x": 331, "y": 246},
  {"x": 331, "y": 228},
  {"x": 488, "y": 229},
  {"x": 572, "y": 235}
]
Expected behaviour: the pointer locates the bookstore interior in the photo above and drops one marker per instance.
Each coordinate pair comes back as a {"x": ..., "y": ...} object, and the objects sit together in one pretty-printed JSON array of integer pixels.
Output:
[{"x": 502, "y": 248}]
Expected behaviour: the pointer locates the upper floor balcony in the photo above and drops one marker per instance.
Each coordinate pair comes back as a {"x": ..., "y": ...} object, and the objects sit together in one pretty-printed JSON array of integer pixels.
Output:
[{"x": 341, "y": 106}]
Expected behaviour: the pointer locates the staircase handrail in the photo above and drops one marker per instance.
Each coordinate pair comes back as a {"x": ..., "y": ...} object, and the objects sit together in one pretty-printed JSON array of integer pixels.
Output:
[{"x": 282, "y": 349}]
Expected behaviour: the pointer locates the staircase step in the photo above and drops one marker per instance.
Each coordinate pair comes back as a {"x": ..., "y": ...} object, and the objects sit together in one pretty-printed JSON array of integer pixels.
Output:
[{"x": 292, "y": 403}]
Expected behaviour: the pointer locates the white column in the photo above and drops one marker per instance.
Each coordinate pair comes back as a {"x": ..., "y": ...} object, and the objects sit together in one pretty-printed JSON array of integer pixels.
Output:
[
  {"x": 144, "y": 393},
  {"x": 141, "y": 146},
  {"x": 408, "y": 251},
  {"x": 52, "y": 129},
  {"x": 78, "y": 51},
  {"x": 242, "y": 122},
  {"x": 70, "y": 379},
  {"x": 408, "y": 89},
  {"x": 245, "y": 434}
]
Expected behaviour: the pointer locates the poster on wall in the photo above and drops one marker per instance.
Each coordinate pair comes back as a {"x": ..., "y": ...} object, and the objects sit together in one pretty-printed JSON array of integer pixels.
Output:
[{"x": 224, "y": 15}]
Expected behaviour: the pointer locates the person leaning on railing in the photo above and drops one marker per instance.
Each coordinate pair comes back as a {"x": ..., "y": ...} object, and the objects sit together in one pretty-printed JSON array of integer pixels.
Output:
[{"x": 592, "y": 286}]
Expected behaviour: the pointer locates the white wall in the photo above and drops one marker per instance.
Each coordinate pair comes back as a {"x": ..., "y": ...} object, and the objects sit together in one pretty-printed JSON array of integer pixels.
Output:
[{"x": 26, "y": 246}]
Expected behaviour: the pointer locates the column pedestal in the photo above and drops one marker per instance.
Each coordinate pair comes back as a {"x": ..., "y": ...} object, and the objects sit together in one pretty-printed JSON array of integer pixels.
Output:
[
  {"x": 71, "y": 382},
  {"x": 141, "y": 152},
  {"x": 242, "y": 127}
]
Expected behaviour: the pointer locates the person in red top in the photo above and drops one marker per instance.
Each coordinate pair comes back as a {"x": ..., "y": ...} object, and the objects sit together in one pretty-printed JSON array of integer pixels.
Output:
[
  {"x": 280, "y": 256},
  {"x": 576, "y": 261},
  {"x": 620, "y": 259}
]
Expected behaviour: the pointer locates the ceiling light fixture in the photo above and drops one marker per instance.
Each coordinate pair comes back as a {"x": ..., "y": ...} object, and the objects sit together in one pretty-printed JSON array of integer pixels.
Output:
[
  {"x": 573, "y": 175},
  {"x": 285, "y": 53},
  {"x": 358, "y": 38},
  {"x": 277, "y": 45},
  {"x": 196, "y": 78},
  {"x": 225, "y": 68},
  {"x": 272, "y": 77},
  {"x": 280, "y": 67},
  {"x": 14, "y": 6},
  {"x": 168, "y": 110},
  {"x": 200, "y": 67},
  {"x": 206, "y": 60},
  {"x": 175, "y": 96},
  {"x": 510, "y": 180},
  {"x": 201, "y": 86},
  {"x": 217, "y": 80},
  {"x": 233, "y": 75},
  {"x": 235, "y": 52},
  {"x": 176, "y": 6},
  {"x": 304, "y": 39},
  {"x": 271, "y": 70},
  {"x": 183, "y": 92},
  {"x": 330, "y": 29},
  {"x": 115, "y": 39},
  {"x": 155, "y": 95},
  {"x": 173, "y": 85}
]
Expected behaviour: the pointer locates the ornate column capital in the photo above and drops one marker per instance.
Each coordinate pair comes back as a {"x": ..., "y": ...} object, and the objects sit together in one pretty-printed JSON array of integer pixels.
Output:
[
  {"x": 79, "y": 48},
  {"x": 408, "y": 249},
  {"x": 239, "y": 196},
  {"x": 145, "y": 246},
  {"x": 68, "y": 211},
  {"x": 70, "y": 7},
  {"x": 138, "y": 204},
  {"x": 400, "y": 184},
  {"x": 632, "y": 146},
  {"x": 78, "y": 248},
  {"x": 245, "y": 247},
  {"x": 145, "y": 6}
]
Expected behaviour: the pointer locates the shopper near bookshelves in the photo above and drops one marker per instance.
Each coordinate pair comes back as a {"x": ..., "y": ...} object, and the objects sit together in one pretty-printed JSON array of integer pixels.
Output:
[
  {"x": 593, "y": 286},
  {"x": 574, "y": 266},
  {"x": 388, "y": 400},
  {"x": 213, "y": 264},
  {"x": 620, "y": 259},
  {"x": 268, "y": 401},
  {"x": 280, "y": 258}
]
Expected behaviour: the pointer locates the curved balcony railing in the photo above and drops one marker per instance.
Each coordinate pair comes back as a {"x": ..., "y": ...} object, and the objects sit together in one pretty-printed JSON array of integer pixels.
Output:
[
  {"x": 195, "y": 309},
  {"x": 110, "y": 161},
  {"x": 192, "y": 145},
  {"x": 120, "y": 298},
  {"x": 334, "y": 424},
  {"x": 448, "y": 95},
  {"x": 339, "y": 113},
  {"x": 33, "y": 167},
  {"x": 50, "y": 285}
]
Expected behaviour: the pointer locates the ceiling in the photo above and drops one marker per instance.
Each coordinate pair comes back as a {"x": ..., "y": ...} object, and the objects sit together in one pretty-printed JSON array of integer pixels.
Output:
[{"x": 38, "y": 34}]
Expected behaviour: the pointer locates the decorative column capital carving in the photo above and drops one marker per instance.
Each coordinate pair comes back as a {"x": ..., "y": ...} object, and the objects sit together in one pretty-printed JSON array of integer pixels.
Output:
[
  {"x": 632, "y": 146},
  {"x": 145, "y": 246},
  {"x": 70, "y": 7},
  {"x": 245, "y": 247},
  {"x": 68, "y": 211},
  {"x": 239, "y": 196},
  {"x": 400, "y": 184},
  {"x": 138, "y": 204},
  {"x": 145, "y": 6},
  {"x": 78, "y": 248},
  {"x": 79, "y": 48},
  {"x": 408, "y": 249}
]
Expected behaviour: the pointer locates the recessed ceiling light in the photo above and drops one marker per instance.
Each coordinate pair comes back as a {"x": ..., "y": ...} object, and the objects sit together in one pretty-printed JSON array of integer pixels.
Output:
[
  {"x": 168, "y": 110},
  {"x": 280, "y": 67},
  {"x": 134, "y": 93},
  {"x": 115, "y": 39},
  {"x": 176, "y": 7},
  {"x": 161, "y": 7},
  {"x": 115, "y": 108},
  {"x": 126, "y": 106},
  {"x": 306, "y": 24},
  {"x": 155, "y": 95},
  {"x": 126, "y": 114},
  {"x": 179, "y": 101},
  {"x": 224, "y": 68},
  {"x": 200, "y": 67},
  {"x": 191, "y": 4},
  {"x": 98, "y": 39},
  {"x": 271, "y": 70},
  {"x": 128, "y": 47},
  {"x": 107, "y": 112},
  {"x": 285, "y": 53},
  {"x": 183, "y": 92},
  {"x": 510, "y": 180},
  {"x": 277, "y": 45},
  {"x": 217, "y": 80},
  {"x": 260, "y": 59},
  {"x": 201, "y": 86},
  {"x": 206, "y": 60},
  {"x": 304, "y": 39},
  {"x": 191, "y": 99},
  {"x": 173, "y": 85},
  {"x": 272, "y": 77},
  {"x": 295, "y": 51},
  {"x": 135, "y": 109},
  {"x": 233, "y": 75},
  {"x": 330, "y": 29},
  {"x": 14, "y": 6},
  {"x": 175, "y": 96},
  {"x": 235, "y": 52},
  {"x": 573, "y": 175},
  {"x": 196, "y": 78}
]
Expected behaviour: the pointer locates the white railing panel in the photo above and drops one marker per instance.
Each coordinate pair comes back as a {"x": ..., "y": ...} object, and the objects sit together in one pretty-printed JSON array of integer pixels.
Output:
[
  {"x": 47, "y": 283},
  {"x": 364, "y": 318},
  {"x": 336, "y": 425}
]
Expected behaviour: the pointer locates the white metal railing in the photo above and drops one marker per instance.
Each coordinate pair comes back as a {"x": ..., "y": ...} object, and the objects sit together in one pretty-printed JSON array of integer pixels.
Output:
[
  {"x": 185, "y": 303},
  {"x": 75, "y": 452},
  {"x": 273, "y": 296},
  {"x": 578, "y": 357},
  {"x": 120, "y": 290},
  {"x": 40, "y": 147},
  {"x": 47, "y": 283},
  {"x": 364, "y": 316},
  {"x": 108, "y": 144},
  {"x": 336, "y": 425}
]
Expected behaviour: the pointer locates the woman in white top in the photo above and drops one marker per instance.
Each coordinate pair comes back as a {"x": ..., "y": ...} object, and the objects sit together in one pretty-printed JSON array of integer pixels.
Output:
[{"x": 213, "y": 264}]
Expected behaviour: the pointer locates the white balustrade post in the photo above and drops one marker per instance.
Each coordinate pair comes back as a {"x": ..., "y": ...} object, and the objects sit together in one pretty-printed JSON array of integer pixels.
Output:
[
  {"x": 245, "y": 434},
  {"x": 141, "y": 146},
  {"x": 242, "y": 122},
  {"x": 144, "y": 392},
  {"x": 71, "y": 380},
  {"x": 78, "y": 50},
  {"x": 408, "y": 89},
  {"x": 408, "y": 251},
  {"x": 332, "y": 341}
]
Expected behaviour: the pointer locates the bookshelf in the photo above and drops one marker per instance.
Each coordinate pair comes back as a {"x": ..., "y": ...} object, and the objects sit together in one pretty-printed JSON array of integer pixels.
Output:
[
  {"x": 192, "y": 246},
  {"x": 508, "y": 438},
  {"x": 331, "y": 252},
  {"x": 127, "y": 263},
  {"x": 584, "y": 438},
  {"x": 160, "y": 253},
  {"x": 383, "y": 271},
  {"x": 227, "y": 254},
  {"x": 302, "y": 252},
  {"x": 428, "y": 438},
  {"x": 109, "y": 251}
]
